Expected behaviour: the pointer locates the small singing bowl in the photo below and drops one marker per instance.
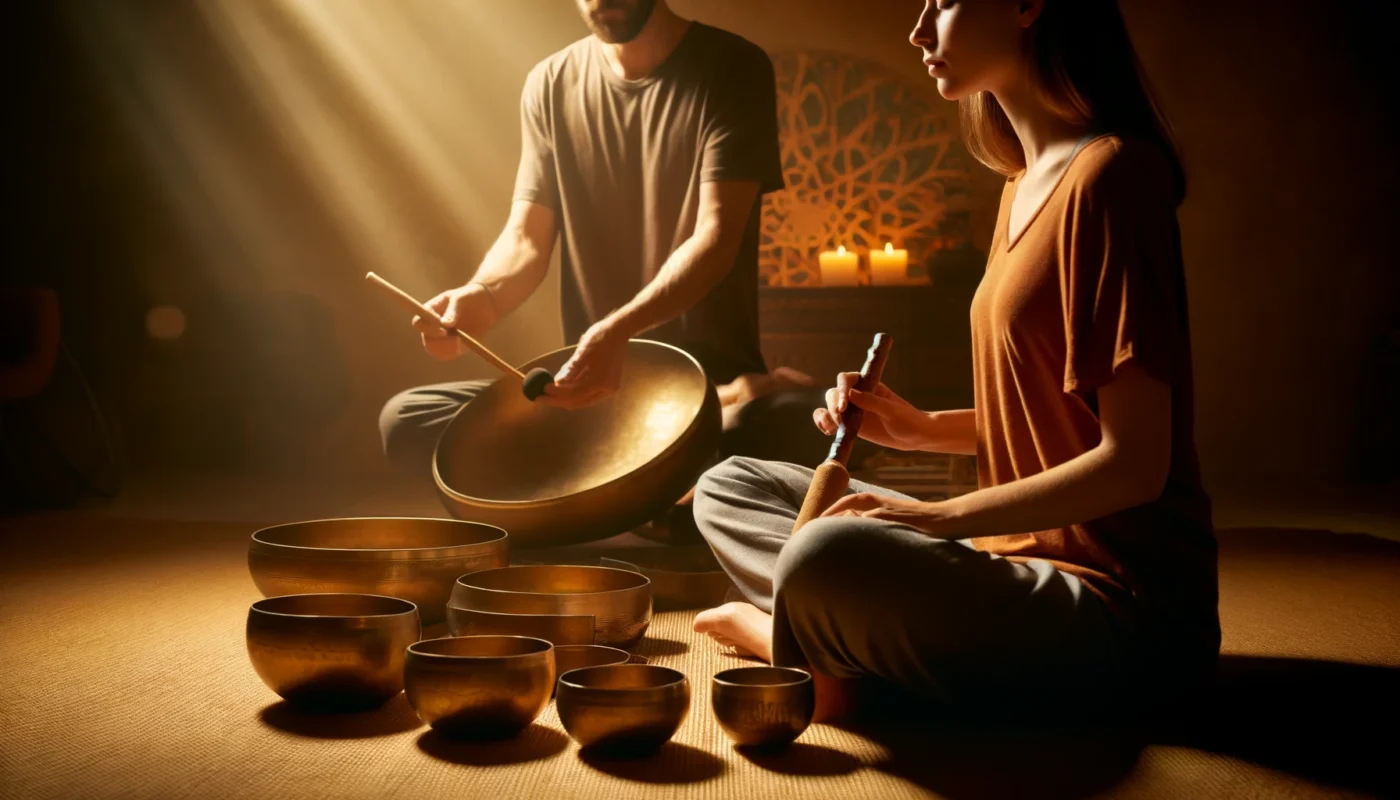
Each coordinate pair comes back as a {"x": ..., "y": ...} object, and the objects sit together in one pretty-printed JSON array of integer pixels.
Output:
[
  {"x": 629, "y": 709},
  {"x": 763, "y": 707},
  {"x": 415, "y": 559},
  {"x": 578, "y": 656},
  {"x": 332, "y": 652},
  {"x": 479, "y": 686}
]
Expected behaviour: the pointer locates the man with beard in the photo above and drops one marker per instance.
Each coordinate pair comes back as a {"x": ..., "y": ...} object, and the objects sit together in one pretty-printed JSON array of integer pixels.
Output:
[{"x": 646, "y": 148}]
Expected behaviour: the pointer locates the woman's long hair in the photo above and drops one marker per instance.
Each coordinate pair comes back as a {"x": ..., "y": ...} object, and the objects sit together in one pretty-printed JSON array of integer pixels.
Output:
[{"x": 1086, "y": 72}]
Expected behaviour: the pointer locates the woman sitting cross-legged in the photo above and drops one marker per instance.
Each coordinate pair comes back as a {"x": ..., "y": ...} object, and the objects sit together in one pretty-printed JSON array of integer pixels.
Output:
[{"x": 1084, "y": 565}]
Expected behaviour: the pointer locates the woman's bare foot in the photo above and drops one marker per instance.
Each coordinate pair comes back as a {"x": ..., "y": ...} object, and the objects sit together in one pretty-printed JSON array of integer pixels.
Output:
[{"x": 742, "y": 626}]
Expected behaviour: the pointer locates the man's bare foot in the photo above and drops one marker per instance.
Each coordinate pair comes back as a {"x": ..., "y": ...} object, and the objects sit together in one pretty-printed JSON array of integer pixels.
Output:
[{"x": 742, "y": 626}]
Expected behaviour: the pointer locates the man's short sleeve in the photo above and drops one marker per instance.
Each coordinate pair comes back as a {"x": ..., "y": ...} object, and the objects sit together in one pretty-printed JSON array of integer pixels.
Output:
[
  {"x": 741, "y": 126},
  {"x": 536, "y": 180}
]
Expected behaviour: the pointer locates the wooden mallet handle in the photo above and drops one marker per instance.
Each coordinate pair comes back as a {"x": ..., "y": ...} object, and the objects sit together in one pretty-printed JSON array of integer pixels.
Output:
[
  {"x": 853, "y": 416},
  {"x": 415, "y": 307},
  {"x": 832, "y": 478}
]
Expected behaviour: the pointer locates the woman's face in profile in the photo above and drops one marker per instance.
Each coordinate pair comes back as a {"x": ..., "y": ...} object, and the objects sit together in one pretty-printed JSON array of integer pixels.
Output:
[{"x": 972, "y": 46}]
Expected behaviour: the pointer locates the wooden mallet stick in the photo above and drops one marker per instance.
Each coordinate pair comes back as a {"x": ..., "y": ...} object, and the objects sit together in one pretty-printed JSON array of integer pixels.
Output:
[
  {"x": 533, "y": 383},
  {"x": 831, "y": 479}
]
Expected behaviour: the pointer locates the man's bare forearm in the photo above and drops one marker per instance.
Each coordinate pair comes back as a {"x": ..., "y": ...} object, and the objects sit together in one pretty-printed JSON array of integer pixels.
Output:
[
  {"x": 697, "y": 266},
  {"x": 517, "y": 262}
]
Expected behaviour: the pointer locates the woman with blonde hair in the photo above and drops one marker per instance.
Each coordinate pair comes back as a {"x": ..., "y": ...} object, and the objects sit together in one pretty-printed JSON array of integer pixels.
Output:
[{"x": 1085, "y": 563}]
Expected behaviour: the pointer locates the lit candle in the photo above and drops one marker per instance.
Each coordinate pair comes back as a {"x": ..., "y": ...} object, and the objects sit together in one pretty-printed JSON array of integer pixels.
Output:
[
  {"x": 839, "y": 268},
  {"x": 890, "y": 267}
]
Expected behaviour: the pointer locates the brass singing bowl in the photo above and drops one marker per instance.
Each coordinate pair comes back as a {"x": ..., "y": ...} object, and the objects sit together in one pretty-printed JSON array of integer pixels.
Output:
[
  {"x": 411, "y": 558},
  {"x": 625, "y": 708},
  {"x": 552, "y": 476},
  {"x": 333, "y": 652},
  {"x": 556, "y": 629},
  {"x": 763, "y": 707},
  {"x": 618, "y": 600},
  {"x": 577, "y": 656},
  {"x": 479, "y": 686},
  {"x": 681, "y": 576}
]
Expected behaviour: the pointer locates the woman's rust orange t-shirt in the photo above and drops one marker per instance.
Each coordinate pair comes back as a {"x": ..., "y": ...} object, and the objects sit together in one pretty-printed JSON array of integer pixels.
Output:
[{"x": 1092, "y": 283}]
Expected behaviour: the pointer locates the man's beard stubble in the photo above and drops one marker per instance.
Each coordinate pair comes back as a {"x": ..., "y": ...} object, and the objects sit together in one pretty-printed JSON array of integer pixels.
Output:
[{"x": 626, "y": 29}]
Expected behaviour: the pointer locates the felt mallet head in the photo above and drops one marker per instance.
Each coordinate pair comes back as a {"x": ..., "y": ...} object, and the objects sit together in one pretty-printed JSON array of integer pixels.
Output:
[{"x": 535, "y": 382}]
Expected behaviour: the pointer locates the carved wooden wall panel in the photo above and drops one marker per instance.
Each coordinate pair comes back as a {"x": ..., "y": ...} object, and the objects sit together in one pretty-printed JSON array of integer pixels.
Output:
[{"x": 867, "y": 160}]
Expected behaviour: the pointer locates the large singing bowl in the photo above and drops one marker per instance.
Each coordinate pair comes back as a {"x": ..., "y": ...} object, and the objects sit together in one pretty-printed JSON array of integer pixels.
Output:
[
  {"x": 552, "y": 477},
  {"x": 406, "y": 557}
]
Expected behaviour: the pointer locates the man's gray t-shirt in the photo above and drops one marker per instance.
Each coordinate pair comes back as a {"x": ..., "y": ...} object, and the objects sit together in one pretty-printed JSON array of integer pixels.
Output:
[{"x": 621, "y": 162}]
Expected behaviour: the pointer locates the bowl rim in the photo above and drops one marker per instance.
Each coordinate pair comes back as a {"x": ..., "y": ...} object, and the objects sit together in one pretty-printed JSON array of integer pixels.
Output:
[
  {"x": 680, "y": 440},
  {"x": 253, "y": 607},
  {"x": 645, "y": 583},
  {"x": 718, "y": 679},
  {"x": 378, "y": 553},
  {"x": 592, "y": 647},
  {"x": 449, "y": 658},
  {"x": 626, "y": 656},
  {"x": 679, "y": 681}
]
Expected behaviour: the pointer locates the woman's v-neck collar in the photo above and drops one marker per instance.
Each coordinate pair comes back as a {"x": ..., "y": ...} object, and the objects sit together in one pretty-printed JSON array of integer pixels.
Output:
[{"x": 1044, "y": 201}]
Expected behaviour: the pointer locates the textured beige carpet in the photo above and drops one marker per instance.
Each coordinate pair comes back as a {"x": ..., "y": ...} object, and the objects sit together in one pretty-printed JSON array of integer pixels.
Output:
[{"x": 124, "y": 675}]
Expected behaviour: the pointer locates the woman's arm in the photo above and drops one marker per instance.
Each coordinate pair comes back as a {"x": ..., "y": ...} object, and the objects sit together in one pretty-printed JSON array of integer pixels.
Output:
[
  {"x": 1127, "y": 468},
  {"x": 952, "y": 431},
  {"x": 891, "y": 421}
]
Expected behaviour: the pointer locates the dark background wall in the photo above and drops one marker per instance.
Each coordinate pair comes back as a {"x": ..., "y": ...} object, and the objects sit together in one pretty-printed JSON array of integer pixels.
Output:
[{"x": 248, "y": 162}]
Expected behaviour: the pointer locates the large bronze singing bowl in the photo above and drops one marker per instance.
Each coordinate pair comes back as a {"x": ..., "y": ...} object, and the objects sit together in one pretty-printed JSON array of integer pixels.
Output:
[
  {"x": 479, "y": 686},
  {"x": 630, "y": 708},
  {"x": 618, "y": 600},
  {"x": 336, "y": 652},
  {"x": 552, "y": 477},
  {"x": 406, "y": 557},
  {"x": 763, "y": 706}
]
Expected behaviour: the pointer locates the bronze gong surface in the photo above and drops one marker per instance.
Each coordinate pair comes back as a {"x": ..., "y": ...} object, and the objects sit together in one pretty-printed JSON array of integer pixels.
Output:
[{"x": 550, "y": 475}]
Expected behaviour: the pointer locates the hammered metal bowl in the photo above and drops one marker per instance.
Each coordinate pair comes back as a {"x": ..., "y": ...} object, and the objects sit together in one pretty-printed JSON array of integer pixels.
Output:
[
  {"x": 479, "y": 686},
  {"x": 627, "y": 708},
  {"x": 415, "y": 559},
  {"x": 553, "y": 628},
  {"x": 551, "y": 476},
  {"x": 681, "y": 576},
  {"x": 577, "y": 656},
  {"x": 618, "y": 600},
  {"x": 333, "y": 652},
  {"x": 763, "y": 707}
]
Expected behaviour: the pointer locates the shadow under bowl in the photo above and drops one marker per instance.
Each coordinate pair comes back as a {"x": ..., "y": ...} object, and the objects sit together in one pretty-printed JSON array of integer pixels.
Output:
[
  {"x": 411, "y": 558},
  {"x": 763, "y": 707},
  {"x": 479, "y": 686},
  {"x": 333, "y": 651},
  {"x": 625, "y": 709}
]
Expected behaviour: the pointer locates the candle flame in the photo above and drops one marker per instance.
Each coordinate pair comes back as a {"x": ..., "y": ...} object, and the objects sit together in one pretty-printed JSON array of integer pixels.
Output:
[
  {"x": 889, "y": 248},
  {"x": 841, "y": 251}
]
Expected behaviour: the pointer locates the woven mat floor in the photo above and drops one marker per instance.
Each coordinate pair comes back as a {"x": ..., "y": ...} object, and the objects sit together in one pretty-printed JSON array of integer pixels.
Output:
[{"x": 125, "y": 675}]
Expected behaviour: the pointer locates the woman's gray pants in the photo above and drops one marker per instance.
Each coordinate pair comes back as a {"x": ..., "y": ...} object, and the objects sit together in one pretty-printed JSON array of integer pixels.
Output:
[{"x": 857, "y": 597}]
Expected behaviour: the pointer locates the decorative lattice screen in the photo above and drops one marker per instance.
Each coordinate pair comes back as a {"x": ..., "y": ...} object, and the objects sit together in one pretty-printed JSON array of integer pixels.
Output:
[{"x": 867, "y": 160}]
